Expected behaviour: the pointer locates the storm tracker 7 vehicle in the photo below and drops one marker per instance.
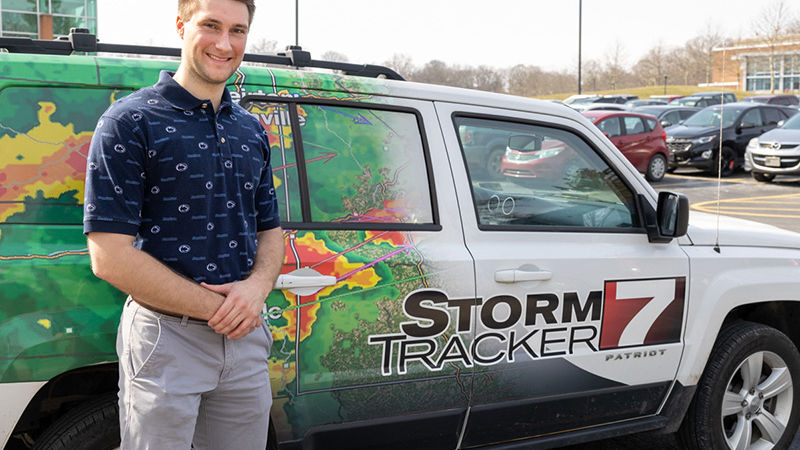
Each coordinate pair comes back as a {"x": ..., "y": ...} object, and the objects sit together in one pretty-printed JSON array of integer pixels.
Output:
[{"x": 423, "y": 302}]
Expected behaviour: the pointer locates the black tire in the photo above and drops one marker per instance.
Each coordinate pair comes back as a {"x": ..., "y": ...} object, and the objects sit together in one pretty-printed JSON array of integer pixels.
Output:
[
  {"x": 763, "y": 177},
  {"x": 656, "y": 168},
  {"x": 494, "y": 163},
  {"x": 728, "y": 163},
  {"x": 768, "y": 352},
  {"x": 93, "y": 425}
]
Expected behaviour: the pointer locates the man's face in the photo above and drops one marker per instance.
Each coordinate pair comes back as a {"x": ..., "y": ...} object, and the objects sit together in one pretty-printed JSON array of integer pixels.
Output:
[{"x": 214, "y": 39}]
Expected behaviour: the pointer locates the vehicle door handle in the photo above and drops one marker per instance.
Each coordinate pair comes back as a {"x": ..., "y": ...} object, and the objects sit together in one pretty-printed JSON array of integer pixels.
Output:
[
  {"x": 521, "y": 274},
  {"x": 304, "y": 281}
]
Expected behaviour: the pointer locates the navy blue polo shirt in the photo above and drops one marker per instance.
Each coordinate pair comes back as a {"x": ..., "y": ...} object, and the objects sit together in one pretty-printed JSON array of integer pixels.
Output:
[{"x": 192, "y": 185}]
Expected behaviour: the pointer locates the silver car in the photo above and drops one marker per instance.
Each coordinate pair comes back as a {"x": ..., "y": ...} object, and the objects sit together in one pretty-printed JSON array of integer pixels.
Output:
[{"x": 776, "y": 152}]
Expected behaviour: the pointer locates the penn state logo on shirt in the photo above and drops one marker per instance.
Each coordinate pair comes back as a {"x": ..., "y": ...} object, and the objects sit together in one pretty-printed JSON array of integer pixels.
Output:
[
  {"x": 271, "y": 191},
  {"x": 181, "y": 167},
  {"x": 118, "y": 189},
  {"x": 245, "y": 148},
  {"x": 220, "y": 127},
  {"x": 170, "y": 129},
  {"x": 92, "y": 166},
  {"x": 155, "y": 229},
  {"x": 228, "y": 164},
  {"x": 231, "y": 204},
  {"x": 233, "y": 117},
  {"x": 209, "y": 185},
  {"x": 188, "y": 113},
  {"x": 155, "y": 190},
  {"x": 233, "y": 244},
  {"x": 151, "y": 153},
  {"x": 184, "y": 208},
  {"x": 202, "y": 146},
  {"x": 143, "y": 175},
  {"x": 136, "y": 116},
  {"x": 211, "y": 267},
  {"x": 210, "y": 226},
  {"x": 152, "y": 101},
  {"x": 248, "y": 186},
  {"x": 119, "y": 148},
  {"x": 90, "y": 207},
  {"x": 184, "y": 248}
]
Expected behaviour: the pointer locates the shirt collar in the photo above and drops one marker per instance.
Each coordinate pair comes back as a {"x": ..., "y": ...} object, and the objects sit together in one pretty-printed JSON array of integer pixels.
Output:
[{"x": 180, "y": 98}]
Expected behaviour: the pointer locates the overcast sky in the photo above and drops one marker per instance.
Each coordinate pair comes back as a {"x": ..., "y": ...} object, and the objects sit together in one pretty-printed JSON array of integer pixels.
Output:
[{"x": 498, "y": 33}]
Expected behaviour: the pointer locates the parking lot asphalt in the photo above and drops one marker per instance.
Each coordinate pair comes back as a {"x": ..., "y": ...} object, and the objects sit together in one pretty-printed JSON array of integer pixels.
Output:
[{"x": 776, "y": 203}]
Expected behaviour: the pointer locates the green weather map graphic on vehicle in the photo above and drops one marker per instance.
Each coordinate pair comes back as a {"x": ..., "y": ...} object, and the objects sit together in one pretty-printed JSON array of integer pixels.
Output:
[{"x": 361, "y": 168}]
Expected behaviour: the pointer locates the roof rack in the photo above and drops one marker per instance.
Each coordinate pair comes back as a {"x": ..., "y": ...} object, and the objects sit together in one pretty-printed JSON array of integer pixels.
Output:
[{"x": 81, "y": 40}]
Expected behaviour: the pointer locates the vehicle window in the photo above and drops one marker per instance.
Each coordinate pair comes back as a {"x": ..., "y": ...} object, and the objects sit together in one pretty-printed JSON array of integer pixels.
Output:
[
  {"x": 44, "y": 140},
  {"x": 651, "y": 124},
  {"x": 551, "y": 178},
  {"x": 633, "y": 125},
  {"x": 365, "y": 165},
  {"x": 672, "y": 117},
  {"x": 711, "y": 117},
  {"x": 275, "y": 119},
  {"x": 610, "y": 127},
  {"x": 772, "y": 116},
  {"x": 685, "y": 114},
  {"x": 753, "y": 116}
]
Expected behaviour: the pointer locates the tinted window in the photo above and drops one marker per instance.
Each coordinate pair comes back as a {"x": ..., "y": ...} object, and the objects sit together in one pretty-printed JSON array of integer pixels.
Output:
[
  {"x": 365, "y": 165},
  {"x": 550, "y": 178},
  {"x": 651, "y": 124},
  {"x": 633, "y": 125},
  {"x": 686, "y": 114},
  {"x": 753, "y": 117},
  {"x": 672, "y": 117},
  {"x": 772, "y": 116},
  {"x": 610, "y": 127}
]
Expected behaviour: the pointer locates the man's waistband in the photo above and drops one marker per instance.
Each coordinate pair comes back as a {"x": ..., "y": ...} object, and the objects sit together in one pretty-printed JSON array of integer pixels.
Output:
[{"x": 169, "y": 315}]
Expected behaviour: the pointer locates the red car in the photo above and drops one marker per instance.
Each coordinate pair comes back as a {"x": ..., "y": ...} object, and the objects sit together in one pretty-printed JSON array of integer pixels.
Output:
[{"x": 638, "y": 136}]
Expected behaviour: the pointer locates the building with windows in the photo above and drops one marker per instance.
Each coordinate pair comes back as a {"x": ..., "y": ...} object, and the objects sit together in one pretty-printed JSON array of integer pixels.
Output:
[
  {"x": 746, "y": 65},
  {"x": 46, "y": 19}
]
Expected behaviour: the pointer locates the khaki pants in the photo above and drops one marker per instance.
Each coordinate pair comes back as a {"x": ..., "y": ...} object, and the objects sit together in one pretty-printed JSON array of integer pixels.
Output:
[{"x": 182, "y": 384}]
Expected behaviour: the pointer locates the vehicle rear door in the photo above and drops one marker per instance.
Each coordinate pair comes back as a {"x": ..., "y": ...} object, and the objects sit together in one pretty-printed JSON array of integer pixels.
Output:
[
  {"x": 637, "y": 142},
  {"x": 579, "y": 318},
  {"x": 364, "y": 325}
]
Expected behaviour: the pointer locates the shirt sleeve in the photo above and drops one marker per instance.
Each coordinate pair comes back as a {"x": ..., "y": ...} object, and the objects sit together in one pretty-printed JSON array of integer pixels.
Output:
[
  {"x": 115, "y": 178},
  {"x": 267, "y": 213}
]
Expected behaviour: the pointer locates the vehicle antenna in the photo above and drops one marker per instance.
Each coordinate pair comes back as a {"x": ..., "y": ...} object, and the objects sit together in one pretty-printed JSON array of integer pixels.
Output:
[{"x": 719, "y": 155}]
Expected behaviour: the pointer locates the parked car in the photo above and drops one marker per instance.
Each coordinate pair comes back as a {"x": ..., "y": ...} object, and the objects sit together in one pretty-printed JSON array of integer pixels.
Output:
[
  {"x": 776, "y": 152},
  {"x": 580, "y": 107},
  {"x": 578, "y": 98},
  {"x": 729, "y": 97},
  {"x": 696, "y": 142},
  {"x": 786, "y": 100},
  {"x": 638, "y": 136},
  {"x": 422, "y": 302},
  {"x": 644, "y": 102},
  {"x": 666, "y": 97},
  {"x": 667, "y": 115}
]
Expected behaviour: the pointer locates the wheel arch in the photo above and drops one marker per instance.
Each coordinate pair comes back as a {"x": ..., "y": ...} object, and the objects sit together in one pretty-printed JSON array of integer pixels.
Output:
[
  {"x": 781, "y": 315},
  {"x": 63, "y": 392}
]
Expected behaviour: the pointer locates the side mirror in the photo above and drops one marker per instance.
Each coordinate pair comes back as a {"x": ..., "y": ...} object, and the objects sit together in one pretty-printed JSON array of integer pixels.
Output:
[
  {"x": 681, "y": 122},
  {"x": 666, "y": 123},
  {"x": 747, "y": 125},
  {"x": 525, "y": 142},
  {"x": 781, "y": 122},
  {"x": 670, "y": 219}
]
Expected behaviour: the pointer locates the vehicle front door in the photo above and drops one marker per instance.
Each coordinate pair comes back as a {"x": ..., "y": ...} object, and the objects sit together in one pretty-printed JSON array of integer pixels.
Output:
[
  {"x": 750, "y": 125},
  {"x": 579, "y": 318}
]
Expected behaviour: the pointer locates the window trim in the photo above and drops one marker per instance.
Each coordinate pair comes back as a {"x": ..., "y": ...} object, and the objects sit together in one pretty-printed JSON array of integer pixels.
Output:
[
  {"x": 305, "y": 199},
  {"x": 546, "y": 228}
]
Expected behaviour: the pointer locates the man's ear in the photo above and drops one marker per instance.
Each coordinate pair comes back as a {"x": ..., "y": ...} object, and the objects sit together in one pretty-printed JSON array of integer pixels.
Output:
[{"x": 179, "y": 26}]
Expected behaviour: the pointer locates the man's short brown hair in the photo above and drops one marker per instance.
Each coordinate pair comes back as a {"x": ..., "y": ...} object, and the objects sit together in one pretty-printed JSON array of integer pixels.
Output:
[{"x": 187, "y": 7}]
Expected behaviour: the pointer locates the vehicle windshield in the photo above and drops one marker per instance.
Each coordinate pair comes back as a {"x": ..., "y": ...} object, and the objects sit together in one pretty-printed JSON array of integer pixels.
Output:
[
  {"x": 755, "y": 100},
  {"x": 686, "y": 101},
  {"x": 710, "y": 117},
  {"x": 793, "y": 123},
  {"x": 646, "y": 110}
]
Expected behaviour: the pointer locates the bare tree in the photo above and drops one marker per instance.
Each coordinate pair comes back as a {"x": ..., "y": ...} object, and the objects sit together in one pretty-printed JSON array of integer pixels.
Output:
[
  {"x": 700, "y": 53},
  {"x": 771, "y": 26},
  {"x": 615, "y": 65},
  {"x": 402, "y": 64},
  {"x": 331, "y": 55},
  {"x": 651, "y": 68},
  {"x": 263, "y": 46}
]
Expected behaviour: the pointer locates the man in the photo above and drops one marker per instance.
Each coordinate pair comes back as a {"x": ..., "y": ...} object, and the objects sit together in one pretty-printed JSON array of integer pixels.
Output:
[{"x": 181, "y": 214}]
